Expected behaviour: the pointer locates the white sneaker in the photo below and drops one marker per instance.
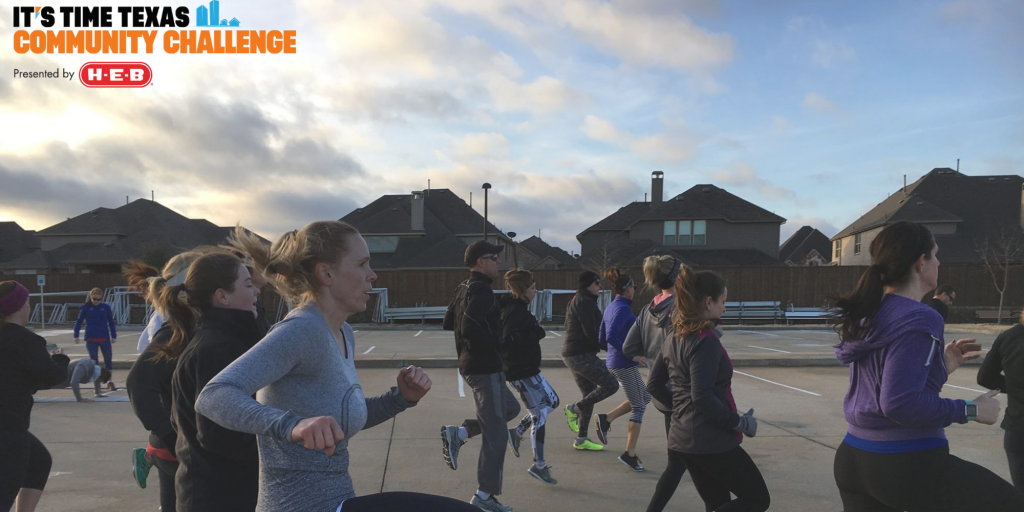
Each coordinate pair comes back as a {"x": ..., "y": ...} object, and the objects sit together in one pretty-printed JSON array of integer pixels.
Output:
[{"x": 490, "y": 504}]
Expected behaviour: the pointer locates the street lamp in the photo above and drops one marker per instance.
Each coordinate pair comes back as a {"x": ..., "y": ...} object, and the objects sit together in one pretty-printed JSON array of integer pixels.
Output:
[
  {"x": 487, "y": 186},
  {"x": 515, "y": 259}
]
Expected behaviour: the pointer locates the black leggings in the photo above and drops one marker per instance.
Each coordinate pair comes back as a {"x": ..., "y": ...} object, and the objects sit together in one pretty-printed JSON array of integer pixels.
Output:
[
  {"x": 405, "y": 502},
  {"x": 26, "y": 464},
  {"x": 925, "y": 481},
  {"x": 716, "y": 476},
  {"x": 595, "y": 382},
  {"x": 165, "y": 470},
  {"x": 1013, "y": 443}
]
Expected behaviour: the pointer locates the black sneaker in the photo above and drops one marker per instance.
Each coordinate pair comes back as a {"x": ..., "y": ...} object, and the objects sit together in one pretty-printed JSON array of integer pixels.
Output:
[
  {"x": 633, "y": 462},
  {"x": 603, "y": 426},
  {"x": 514, "y": 440}
]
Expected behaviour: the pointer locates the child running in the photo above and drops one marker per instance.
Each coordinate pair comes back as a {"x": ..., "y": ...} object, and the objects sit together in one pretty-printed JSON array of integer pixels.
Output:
[
  {"x": 521, "y": 358},
  {"x": 618, "y": 319}
]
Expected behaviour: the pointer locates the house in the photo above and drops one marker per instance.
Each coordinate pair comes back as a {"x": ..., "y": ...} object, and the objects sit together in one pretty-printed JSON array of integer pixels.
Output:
[
  {"x": 104, "y": 239},
  {"x": 705, "y": 225},
  {"x": 15, "y": 241},
  {"x": 426, "y": 229},
  {"x": 234, "y": 22},
  {"x": 962, "y": 212},
  {"x": 548, "y": 257},
  {"x": 808, "y": 247}
]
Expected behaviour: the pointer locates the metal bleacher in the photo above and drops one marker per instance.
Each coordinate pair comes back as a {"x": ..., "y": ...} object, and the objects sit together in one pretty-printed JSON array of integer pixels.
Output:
[{"x": 756, "y": 311}]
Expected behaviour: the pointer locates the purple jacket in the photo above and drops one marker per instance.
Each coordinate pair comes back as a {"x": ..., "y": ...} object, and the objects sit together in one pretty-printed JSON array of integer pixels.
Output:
[
  {"x": 896, "y": 374},
  {"x": 618, "y": 319}
]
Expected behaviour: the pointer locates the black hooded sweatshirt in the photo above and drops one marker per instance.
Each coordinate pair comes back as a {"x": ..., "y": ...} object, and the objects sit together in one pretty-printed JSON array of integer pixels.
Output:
[
  {"x": 521, "y": 350},
  {"x": 582, "y": 325},
  {"x": 475, "y": 317}
]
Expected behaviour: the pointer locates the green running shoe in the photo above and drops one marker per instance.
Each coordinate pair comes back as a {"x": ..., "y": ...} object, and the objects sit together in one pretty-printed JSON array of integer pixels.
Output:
[
  {"x": 573, "y": 419},
  {"x": 587, "y": 444},
  {"x": 140, "y": 466}
]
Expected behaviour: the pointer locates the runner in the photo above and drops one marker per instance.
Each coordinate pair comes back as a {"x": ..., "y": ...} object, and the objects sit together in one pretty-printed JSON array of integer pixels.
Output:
[
  {"x": 149, "y": 384},
  {"x": 25, "y": 367},
  {"x": 617, "y": 321},
  {"x": 475, "y": 316},
  {"x": 895, "y": 456},
  {"x": 521, "y": 356},
  {"x": 100, "y": 330},
  {"x": 211, "y": 315},
  {"x": 139, "y": 275},
  {"x": 311, "y": 403},
  {"x": 86, "y": 371},
  {"x": 654, "y": 325},
  {"x": 1003, "y": 369},
  {"x": 579, "y": 351},
  {"x": 706, "y": 429}
]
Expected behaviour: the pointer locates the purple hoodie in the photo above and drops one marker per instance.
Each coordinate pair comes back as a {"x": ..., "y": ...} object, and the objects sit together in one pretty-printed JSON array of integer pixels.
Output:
[{"x": 896, "y": 374}]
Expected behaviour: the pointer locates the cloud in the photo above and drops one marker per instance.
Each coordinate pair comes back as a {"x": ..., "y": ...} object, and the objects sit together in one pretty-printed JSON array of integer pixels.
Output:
[
  {"x": 493, "y": 145},
  {"x": 780, "y": 124},
  {"x": 544, "y": 95},
  {"x": 818, "y": 104},
  {"x": 830, "y": 54},
  {"x": 665, "y": 147},
  {"x": 743, "y": 175}
]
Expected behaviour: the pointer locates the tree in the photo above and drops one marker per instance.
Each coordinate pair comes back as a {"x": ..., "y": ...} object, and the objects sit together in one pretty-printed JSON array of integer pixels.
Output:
[{"x": 997, "y": 254}]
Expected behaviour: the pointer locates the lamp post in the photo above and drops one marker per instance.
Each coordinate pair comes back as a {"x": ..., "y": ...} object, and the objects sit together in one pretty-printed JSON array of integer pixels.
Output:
[
  {"x": 515, "y": 258},
  {"x": 486, "y": 187}
]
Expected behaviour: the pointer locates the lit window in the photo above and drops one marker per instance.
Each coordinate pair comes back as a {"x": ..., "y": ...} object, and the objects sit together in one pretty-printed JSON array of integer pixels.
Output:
[
  {"x": 684, "y": 232},
  {"x": 839, "y": 249},
  {"x": 856, "y": 243}
]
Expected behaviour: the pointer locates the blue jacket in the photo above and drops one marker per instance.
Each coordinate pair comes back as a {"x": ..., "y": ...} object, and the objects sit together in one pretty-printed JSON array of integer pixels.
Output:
[
  {"x": 96, "y": 318},
  {"x": 618, "y": 318}
]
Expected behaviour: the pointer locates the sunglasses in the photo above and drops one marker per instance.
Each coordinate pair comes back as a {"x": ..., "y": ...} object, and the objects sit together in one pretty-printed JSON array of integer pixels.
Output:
[{"x": 490, "y": 257}]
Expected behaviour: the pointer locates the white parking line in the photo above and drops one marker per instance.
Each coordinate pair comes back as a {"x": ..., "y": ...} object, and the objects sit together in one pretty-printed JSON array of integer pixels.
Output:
[
  {"x": 417, "y": 334},
  {"x": 462, "y": 384},
  {"x": 555, "y": 333},
  {"x": 369, "y": 349},
  {"x": 772, "y": 349},
  {"x": 967, "y": 389},
  {"x": 776, "y": 383},
  {"x": 355, "y": 331},
  {"x": 762, "y": 334}
]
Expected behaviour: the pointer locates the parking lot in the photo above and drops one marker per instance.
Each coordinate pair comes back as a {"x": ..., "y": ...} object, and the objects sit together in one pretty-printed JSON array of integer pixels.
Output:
[{"x": 799, "y": 409}]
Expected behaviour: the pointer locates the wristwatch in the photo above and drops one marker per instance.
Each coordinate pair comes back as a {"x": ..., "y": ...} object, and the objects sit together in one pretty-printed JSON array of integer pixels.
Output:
[{"x": 972, "y": 410}]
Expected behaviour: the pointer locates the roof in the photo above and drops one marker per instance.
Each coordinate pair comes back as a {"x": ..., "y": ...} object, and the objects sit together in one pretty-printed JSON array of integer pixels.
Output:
[
  {"x": 796, "y": 248},
  {"x": 541, "y": 248},
  {"x": 15, "y": 241},
  {"x": 445, "y": 217},
  {"x": 630, "y": 252},
  {"x": 137, "y": 228},
  {"x": 699, "y": 202},
  {"x": 980, "y": 206}
]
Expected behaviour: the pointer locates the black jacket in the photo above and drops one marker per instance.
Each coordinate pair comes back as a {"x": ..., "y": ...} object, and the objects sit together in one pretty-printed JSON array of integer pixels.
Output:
[
  {"x": 149, "y": 390},
  {"x": 703, "y": 409},
  {"x": 475, "y": 317},
  {"x": 218, "y": 468},
  {"x": 522, "y": 333},
  {"x": 937, "y": 305},
  {"x": 262, "y": 321},
  {"x": 1003, "y": 368},
  {"x": 25, "y": 367},
  {"x": 582, "y": 325}
]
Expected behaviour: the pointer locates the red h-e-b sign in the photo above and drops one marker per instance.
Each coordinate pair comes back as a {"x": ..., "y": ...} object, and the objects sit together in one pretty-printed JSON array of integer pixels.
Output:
[{"x": 115, "y": 74}]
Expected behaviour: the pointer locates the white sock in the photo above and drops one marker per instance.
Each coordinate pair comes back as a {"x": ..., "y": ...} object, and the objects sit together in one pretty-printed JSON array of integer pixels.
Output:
[
  {"x": 463, "y": 434},
  {"x": 483, "y": 495}
]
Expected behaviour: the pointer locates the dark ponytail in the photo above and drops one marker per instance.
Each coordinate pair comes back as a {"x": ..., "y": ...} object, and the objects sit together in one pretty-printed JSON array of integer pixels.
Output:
[
  {"x": 618, "y": 280},
  {"x": 691, "y": 288},
  {"x": 893, "y": 254}
]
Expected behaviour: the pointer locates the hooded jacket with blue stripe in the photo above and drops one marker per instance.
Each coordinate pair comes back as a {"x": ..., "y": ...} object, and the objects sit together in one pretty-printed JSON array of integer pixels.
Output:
[{"x": 97, "y": 320}]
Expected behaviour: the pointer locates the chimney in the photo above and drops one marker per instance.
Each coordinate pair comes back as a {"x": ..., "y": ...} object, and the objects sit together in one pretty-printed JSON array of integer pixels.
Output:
[
  {"x": 657, "y": 186},
  {"x": 417, "y": 211}
]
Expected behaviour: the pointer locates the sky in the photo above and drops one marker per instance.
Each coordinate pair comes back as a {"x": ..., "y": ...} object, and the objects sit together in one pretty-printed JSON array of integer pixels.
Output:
[{"x": 812, "y": 110}]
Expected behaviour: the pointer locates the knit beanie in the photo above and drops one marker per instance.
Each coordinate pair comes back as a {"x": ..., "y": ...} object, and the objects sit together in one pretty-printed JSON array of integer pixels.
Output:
[
  {"x": 586, "y": 279},
  {"x": 12, "y": 297}
]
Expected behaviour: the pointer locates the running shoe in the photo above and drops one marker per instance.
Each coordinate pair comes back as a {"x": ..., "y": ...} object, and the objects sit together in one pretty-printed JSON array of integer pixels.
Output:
[
  {"x": 603, "y": 426},
  {"x": 587, "y": 444},
  {"x": 573, "y": 419},
  {"x": 111, "y": 386},
  {"x": 490, "y": 504},
  {"x": 140, "y": 466},
  {"x": 543, "y": 474},
  {"x": 514, "y": 440},
  {"x": 451, "y": 444},
  {"x": 633, "y": 462}
]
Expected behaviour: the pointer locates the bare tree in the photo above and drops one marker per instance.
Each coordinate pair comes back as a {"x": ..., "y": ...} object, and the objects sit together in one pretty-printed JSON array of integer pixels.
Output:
[{"x": 997, "y": 254}]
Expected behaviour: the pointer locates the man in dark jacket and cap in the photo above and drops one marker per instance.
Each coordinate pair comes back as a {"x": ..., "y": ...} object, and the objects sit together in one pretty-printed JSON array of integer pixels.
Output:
[{"x": 475, "y": 316}]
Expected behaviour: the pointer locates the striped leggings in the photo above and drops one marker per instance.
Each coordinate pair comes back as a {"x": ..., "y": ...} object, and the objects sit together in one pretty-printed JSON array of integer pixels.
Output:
[{"x": 636, "y": 391}]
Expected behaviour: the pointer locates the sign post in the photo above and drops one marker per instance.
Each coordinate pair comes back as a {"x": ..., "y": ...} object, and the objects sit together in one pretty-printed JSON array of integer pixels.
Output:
[{"x": 41, "y": 281}]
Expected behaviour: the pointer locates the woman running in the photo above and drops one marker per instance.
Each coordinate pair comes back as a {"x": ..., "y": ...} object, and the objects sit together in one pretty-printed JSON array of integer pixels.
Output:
[
  {"x": 618, "y": 319},
  {"x": 521, "y": 360},
  {"x": 1003, "y": 369},
  {"x": 25, "y": 367},
  {"x": 706, "y": 429},
  {"x": 654, "y": 325},
  {"x": 310, "y": 402},
  {"x": 100, "y": 330},
  {"x": 579, "y": 351},
  {"x": 895, "y": 456}
]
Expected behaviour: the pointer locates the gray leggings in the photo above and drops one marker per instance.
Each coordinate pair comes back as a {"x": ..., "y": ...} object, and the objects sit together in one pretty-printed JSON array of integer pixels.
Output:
[{"x": 595, "y": 382}]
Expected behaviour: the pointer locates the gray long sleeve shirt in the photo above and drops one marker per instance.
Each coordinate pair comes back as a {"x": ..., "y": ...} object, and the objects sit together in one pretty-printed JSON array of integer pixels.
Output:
[
  {"x": 81, "y": 371},
  {"x": 298, "y": 371}
]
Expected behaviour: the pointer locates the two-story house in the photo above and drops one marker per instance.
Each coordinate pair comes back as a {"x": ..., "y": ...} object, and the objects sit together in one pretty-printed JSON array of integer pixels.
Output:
[
  {"x": 705, "y": 225},
  {"x": 961, "y": 211}
]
